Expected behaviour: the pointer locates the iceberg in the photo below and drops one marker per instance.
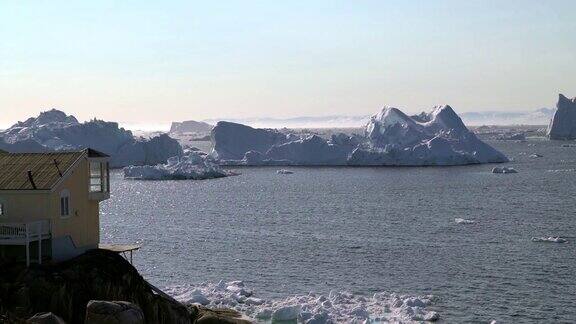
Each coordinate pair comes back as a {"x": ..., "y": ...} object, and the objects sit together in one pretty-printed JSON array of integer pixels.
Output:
[
  {"x": 437, "y": 138},
  {"x": 194, "y": 166},
  {"x": 391, "y": 139},
  {"x": 563, "y": 124},
  {"x": 190, "y": 126},
  {"x": 54, "y": 130}
]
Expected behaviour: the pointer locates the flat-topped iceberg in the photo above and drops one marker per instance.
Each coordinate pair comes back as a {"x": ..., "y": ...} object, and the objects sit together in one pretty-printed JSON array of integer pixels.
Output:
[
  {"x": 194, "y": 166},
  {"x": 391, "y": 138},
  {"x": 54, "y": 130},
  {"x": 563, "y": 124}
]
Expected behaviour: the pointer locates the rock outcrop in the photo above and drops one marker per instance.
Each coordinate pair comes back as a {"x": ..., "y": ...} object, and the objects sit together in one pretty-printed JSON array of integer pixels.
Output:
[
  {"x": 54, "y": 130},
  {"x": 563, "y": 124},
  {"x": 66, "y": 289}
]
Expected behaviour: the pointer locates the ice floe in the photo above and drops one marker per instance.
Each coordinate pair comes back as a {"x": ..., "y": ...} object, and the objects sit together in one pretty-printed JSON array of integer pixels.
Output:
[
  {"x": 550, "y": 239},
  {"x": 504, "y": 170},
  {"x": 312, "y": 308},
  {"x": 195, "y": 166},
  {"x": 284, "y": 171},
  {"x": 463, "y": 221}
]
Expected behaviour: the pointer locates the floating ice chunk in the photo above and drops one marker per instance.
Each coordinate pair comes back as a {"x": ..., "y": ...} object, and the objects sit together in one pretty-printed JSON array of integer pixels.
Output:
[
  {"x": 535, "y": 155},
  {"x": 504, "y": 170},
  {"x": 193, "y": 166},
  {"x": 284, "y": 171},
  {"x": 463, "y": 221},
  {"x": 550, "y": 239},
  {"x": 287, "y": 313}
]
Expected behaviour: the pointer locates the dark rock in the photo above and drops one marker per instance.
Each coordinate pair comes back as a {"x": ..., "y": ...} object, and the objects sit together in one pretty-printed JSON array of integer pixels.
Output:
[
  {"x": 45, "y": 318},
  {"x": 113, "y": 312}
]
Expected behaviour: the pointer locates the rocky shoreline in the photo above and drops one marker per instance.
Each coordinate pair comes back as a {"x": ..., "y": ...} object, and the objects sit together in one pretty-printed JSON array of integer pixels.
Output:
[{"x": 86, "y": 290}]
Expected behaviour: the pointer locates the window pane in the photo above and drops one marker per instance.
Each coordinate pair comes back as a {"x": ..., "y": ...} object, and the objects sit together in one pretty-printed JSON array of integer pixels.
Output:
[
  {"x": 1, "y": 209},
  {"x": 95, "y": 169},
  {"x": 62, "y": 206}
]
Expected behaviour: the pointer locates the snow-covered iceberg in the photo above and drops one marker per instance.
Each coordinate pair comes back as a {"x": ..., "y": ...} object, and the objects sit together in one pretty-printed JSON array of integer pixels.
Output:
[
  {"x": 436, "y": 138},
  {"x": 194, "y": 166},
  {"x": 563, "y": 124},
  {"x": 54, "y": 130},
  {"x": 391, "y": 138}
]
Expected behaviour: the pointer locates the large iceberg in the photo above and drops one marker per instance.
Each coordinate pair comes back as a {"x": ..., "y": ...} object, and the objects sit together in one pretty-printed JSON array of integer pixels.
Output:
[
  {"x": 391, "y": 138},
  {"x": 54, "y": 130},
  {"x": 194, "y": 166},
  {"x": 436, "y": 138},
  {"x": 190, "y": 126},
  {"x": 563, "y": 124}
]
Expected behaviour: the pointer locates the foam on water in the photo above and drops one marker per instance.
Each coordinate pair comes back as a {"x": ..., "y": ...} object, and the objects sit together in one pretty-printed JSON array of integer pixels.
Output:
[{"x": 336, "y": 307}]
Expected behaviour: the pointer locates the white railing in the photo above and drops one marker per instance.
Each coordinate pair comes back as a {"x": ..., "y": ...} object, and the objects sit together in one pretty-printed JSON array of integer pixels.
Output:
[
  {"x": 23, "y": 231},
  {"x": 24, "y": 234}
]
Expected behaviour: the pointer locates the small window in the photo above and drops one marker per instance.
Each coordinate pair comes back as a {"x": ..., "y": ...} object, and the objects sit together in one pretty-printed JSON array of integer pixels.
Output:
[
  {"x": 2, "y": 210},
  {"x": 65, "y": 203}
]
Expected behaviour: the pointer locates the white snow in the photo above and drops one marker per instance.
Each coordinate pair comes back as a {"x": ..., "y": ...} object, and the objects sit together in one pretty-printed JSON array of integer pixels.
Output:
[
  {"x": 336, "y": 307},
  {"x": 463, "y": 221},
  {"x": 550, "y": 239},
  {"x": 504, "y": 170},
  {"x": 192, "y": 166}
]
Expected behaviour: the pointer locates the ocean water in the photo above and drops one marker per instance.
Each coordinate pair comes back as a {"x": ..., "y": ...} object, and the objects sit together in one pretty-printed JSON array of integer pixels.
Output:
[{"x": 368, "y": 230}]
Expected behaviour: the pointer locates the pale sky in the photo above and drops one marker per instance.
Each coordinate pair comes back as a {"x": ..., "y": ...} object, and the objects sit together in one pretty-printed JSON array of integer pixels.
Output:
[{"x": 152, "y": 62}]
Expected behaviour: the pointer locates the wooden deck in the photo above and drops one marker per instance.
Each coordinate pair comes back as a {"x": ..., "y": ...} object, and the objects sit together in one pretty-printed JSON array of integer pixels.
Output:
[{"x": 121, "y": 248}]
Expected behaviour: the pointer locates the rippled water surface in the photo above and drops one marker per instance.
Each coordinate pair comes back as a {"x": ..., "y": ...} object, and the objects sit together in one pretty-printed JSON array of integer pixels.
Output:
[{"x": 369, "y": 229}]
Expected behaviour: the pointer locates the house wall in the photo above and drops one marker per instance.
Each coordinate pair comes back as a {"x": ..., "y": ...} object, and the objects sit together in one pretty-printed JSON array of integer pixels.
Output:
[{"x": 83, "y": 224}]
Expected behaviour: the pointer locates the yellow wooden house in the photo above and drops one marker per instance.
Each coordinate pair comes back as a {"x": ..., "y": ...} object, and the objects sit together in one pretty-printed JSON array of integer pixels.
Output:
[{"x": 49, "y": 204}]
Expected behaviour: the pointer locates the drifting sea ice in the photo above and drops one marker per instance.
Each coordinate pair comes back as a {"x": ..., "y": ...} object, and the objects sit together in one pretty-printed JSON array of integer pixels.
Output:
[
  {"x": 550, "y": 239},
  {"x": 193, "y": 166},
  {"x": 504, "y": 170},
  {"x": 463, "y": 221},
  {"x": 312, "y": 308},
  {"x": 284, "y": 171}
]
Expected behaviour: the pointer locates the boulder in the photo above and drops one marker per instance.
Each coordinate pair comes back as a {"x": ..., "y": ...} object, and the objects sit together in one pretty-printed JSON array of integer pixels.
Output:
[
  {"x": 45, "y": 318},
  {"x": 113, "y": 312}
]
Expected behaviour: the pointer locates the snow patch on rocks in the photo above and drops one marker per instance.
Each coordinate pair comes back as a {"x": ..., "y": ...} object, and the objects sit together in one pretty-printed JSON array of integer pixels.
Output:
[{"x": 312, "y": 308}]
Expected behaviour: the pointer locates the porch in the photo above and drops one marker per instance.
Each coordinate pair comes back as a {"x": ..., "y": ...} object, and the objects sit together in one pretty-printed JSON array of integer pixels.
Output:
[{"x": 26, "y": 233}]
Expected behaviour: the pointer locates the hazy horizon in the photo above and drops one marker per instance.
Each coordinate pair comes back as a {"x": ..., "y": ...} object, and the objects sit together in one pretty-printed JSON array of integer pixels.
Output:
[{"x": 152, "y": 63}]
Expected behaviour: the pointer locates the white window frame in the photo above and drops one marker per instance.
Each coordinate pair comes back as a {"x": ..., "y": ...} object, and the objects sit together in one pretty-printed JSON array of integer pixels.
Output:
[{"x": 65, "y": 204}]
